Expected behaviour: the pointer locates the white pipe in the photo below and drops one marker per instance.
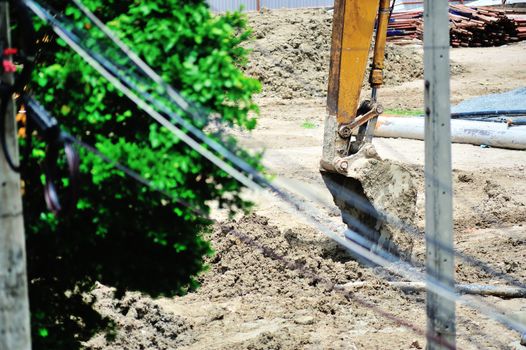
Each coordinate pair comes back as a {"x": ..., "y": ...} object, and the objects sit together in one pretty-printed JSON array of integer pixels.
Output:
[{"x": 462, "y": 131}]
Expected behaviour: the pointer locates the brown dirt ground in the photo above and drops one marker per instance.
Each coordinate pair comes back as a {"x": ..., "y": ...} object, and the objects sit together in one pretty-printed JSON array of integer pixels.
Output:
[{"x": 250, "y": 300}]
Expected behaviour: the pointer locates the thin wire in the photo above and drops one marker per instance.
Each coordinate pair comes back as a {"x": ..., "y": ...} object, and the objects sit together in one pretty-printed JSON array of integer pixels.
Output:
[
  {"x": 266, "y": 251},
  {"x": 350, "y": 245},
  {"x": 281, "y": 194},
  {"x": 46, "y": 16},
  {"x": 268, "y": 184},
  {"x": 398, "y": 222}
]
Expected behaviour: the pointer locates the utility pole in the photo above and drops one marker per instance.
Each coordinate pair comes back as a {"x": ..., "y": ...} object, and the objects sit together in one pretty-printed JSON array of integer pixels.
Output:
[
  {"x": 438, "y": 174},
  {"x": 14, "y": 301}
]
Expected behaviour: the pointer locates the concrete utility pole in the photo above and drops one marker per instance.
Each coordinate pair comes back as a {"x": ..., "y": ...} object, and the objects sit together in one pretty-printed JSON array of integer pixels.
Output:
[
  {"x": 14, "y": 302},
  {"x": 438, "y": 173}
]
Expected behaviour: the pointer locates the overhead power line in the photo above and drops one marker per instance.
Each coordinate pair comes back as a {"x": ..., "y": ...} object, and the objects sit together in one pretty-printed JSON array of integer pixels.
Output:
[{"x": 254, "y": 180}]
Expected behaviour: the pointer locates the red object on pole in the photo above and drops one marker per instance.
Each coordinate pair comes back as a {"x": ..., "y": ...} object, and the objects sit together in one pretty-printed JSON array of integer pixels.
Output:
[
  {"x": 9, "y": 67},
  {"x": 10, "y": 51}
]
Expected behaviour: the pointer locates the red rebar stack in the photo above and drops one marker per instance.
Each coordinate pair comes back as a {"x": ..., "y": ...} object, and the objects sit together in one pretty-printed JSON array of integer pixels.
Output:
[
  {"x": 404, "y": 26},
  {"x": 470, "y": 27},
  {"x": 520, "y": 23}
]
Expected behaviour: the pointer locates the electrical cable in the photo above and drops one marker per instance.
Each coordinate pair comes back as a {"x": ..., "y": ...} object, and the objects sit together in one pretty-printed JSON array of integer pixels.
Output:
[
  {"x": 265, "y": 250},
  {"x": 196, "y": 146},
  {"x": 108, "y": 30},
  {"x": 5, "y": 94},
  {"x": 37, "y": 118},
  {"x": 123, "y": 83},
  {"x": 489, "y": 113},
  {"x": 32, "y": 104}
]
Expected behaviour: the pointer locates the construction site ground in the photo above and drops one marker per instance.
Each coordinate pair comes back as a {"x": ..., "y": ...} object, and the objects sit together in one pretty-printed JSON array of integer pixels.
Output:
[{"x": 251, "y": 300}]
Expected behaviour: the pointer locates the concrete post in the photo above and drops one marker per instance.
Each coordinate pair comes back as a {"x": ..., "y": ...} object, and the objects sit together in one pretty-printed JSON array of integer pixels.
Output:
[
  {"x": 438, "y": 173},
  {"x": 14, "y": 304}
]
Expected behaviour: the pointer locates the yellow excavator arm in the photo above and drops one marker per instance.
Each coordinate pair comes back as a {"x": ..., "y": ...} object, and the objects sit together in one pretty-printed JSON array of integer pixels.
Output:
[
  {"x": 352, "y": 37},
  {"x": 351, "y": 168}
]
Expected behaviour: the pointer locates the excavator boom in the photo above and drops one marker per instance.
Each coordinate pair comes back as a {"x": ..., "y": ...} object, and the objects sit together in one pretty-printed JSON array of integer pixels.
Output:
[
  {"x": 352, "y": 32},
  {"x": 350, "y": 166},
  {"x": 352, "y": 35}
]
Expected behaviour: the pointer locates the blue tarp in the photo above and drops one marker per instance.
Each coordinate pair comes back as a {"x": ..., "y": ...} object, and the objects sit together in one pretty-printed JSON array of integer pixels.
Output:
[{"x": 511, "y": 100}]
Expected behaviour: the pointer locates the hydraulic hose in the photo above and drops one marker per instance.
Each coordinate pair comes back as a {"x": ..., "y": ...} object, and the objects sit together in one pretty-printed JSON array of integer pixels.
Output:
[{"x": 466, "y": 115}]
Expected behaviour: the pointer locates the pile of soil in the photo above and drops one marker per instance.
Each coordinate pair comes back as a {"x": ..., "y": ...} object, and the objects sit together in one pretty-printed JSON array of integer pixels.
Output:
[
  {"x": 250, "y": 299},
  {"x": 236, "y": 269},
  {"x": 291, "y": 54},
  {"x": 140, "y": 323},
  {"x": 488, "y": 221},
  {"x": 269, "y": 289},
  {"x": 481, "y": 199}
]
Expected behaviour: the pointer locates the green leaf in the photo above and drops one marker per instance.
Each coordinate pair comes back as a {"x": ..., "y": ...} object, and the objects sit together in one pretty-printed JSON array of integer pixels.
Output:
[
  {"x": 123, "y": 230},
  {"x": 43, "y": 332}
]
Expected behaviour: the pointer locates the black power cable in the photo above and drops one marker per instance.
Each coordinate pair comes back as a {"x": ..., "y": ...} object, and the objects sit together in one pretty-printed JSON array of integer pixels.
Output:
[
  {"x": 48, "y": 128},
  {"x": 493, "y": 113},
  {"x": 36, "y": 117}
]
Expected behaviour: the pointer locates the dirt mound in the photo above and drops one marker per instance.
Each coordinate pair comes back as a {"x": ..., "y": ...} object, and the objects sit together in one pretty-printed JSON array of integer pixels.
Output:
[
  {"x": 291, "y": 54},
  {"x": 506, "y": 252},
  {"x": 498, "y": 206},
  {"x": 481, "y": 199},
  {"x": 249, "y": 299},
  {"x": 236, "y": 269},
  {"x": 140, "y": 323},
  {"x": 263, "y": 304}
]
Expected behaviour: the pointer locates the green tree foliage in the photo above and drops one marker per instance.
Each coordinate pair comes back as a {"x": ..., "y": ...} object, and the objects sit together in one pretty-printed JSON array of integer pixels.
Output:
[{"x": 122, "y": 233}]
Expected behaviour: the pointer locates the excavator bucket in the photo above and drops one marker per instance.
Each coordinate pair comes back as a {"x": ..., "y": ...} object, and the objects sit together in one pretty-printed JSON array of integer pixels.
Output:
[
  {"x": 377, "y": 200},
  {"x": 377, "y": 197}
]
